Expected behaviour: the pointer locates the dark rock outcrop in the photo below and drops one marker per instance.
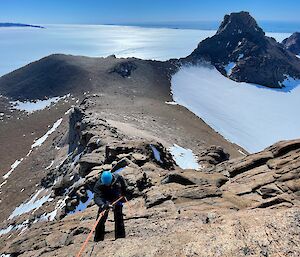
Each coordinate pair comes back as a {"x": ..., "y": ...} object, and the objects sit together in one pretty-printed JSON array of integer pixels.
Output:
[
  {"x": 241, "y": 51},
  {"x": 9, "y": 24},
  {"x": 292, "y": 43},
  {"x": 124, "y": 69},
  {"x": 213, "y": 156}
]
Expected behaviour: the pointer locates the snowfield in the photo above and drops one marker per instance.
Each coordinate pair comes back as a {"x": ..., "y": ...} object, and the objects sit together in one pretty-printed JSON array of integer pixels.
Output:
[
  {"x": 33, "y": 106},
  {"x": 251, "y": 116}
]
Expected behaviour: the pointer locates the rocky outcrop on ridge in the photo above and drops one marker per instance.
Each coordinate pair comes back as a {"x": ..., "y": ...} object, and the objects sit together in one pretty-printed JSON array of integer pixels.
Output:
[
  {"x": 292, "y": 43},
  {"x": 237, "y": 207},
  {"x": 241, "y": 51}
]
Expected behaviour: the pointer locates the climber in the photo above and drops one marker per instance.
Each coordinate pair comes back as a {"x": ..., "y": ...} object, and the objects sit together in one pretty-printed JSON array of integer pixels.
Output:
[{"x": 108, "y": 189}]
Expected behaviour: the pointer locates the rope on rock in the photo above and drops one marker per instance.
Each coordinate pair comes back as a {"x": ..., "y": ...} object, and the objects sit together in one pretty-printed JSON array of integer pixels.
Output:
[
  {"x": 94, "y": 227},
  {"x": 129, "y": 207}
]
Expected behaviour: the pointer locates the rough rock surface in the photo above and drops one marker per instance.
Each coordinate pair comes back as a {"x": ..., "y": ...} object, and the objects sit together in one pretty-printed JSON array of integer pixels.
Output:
[
  {"x": 236, "y": 207},
  {"x": 292, "y": 43},
  {"x": 254, "y": 58}
]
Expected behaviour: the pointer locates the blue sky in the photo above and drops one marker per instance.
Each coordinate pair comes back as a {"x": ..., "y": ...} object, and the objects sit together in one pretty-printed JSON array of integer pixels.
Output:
[{"x": 124, "y": 11}]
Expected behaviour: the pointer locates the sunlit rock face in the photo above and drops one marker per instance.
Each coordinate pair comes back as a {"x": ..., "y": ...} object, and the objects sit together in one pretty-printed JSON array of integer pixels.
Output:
[{"x": 228, "y": 198}]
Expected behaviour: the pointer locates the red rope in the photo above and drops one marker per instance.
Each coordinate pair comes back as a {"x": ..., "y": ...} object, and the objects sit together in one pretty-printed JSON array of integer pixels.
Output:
[
  {"x": 129, "y": 207},
  {"x": 94, "y": 227}
]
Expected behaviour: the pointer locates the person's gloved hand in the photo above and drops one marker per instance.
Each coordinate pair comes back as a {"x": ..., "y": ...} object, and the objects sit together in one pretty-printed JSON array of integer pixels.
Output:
[{"x": 105, "y": 206}]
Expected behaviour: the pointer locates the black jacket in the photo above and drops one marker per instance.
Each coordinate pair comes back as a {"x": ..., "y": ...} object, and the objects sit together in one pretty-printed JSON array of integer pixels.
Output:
[{"x": 108, "y": 194}]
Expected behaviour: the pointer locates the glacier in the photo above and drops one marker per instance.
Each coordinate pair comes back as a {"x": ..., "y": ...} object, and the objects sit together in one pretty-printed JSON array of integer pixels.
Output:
[{"x": 251, "y": 116}]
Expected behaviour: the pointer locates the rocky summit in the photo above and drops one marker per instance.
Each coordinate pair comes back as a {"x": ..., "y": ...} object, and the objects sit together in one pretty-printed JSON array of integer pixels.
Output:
[
  {"x": 237, "y": 207},
  {"x": 241, "y": 51},
  {"x": 292, "y": 43}
]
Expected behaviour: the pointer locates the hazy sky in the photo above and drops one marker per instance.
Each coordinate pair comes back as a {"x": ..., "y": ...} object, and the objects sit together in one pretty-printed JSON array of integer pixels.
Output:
[{"x": 119, "y": 11}]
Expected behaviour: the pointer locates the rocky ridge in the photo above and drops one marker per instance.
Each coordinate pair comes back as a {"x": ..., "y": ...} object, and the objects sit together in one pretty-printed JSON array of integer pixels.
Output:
[{"x": 236, "y": 207}]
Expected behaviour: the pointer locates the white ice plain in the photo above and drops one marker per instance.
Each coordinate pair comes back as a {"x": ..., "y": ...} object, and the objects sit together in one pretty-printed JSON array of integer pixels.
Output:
[
  {"x": 251, "y": 116},
  {"x": 24, "y": 45}
]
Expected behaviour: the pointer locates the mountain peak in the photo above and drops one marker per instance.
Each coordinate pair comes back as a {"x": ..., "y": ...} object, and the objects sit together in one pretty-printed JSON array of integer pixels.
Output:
[
  {"x": 240, "y": 23},
  {"x": 241, "y": 51}
]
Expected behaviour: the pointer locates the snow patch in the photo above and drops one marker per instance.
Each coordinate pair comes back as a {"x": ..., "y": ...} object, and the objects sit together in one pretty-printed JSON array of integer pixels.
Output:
[
  {"x": 156, "y": 153},
  {"x": 13, "y": 167},
  {"x": 184, "y": 158},
  {"x": 68, "y": 111},
  {"x": 241, "y": 152},
  {"x": 33, "y": 204},
  {"x": 50, "y": 165},
  {"x": 30, "y": 151},
  {"x": 229, "y": 67},
  {"x": 48, "y": 216},
  {"x": 171, "y": 103},
  {"x": 11, "y": 228},
  {"x": 42, "y": 139},
  {"x": 83, "y": 205},
  {"x": 76, "y": 158},
  {"x": 37, "y": 105},
  {"x": 251, "y": 116},
  {"x": 6, "y": 230},
  {"x": 3, "y": 183}
]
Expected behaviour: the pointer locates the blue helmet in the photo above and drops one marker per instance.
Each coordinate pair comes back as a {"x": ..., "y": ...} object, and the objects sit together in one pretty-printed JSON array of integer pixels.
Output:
[{"x": 106, "y": 178}]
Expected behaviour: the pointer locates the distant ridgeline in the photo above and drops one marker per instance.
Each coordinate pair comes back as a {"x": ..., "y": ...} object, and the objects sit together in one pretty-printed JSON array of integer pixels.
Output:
[
  {"x": 20, "y": 25},
  {"x": 269, "y": 26}
]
